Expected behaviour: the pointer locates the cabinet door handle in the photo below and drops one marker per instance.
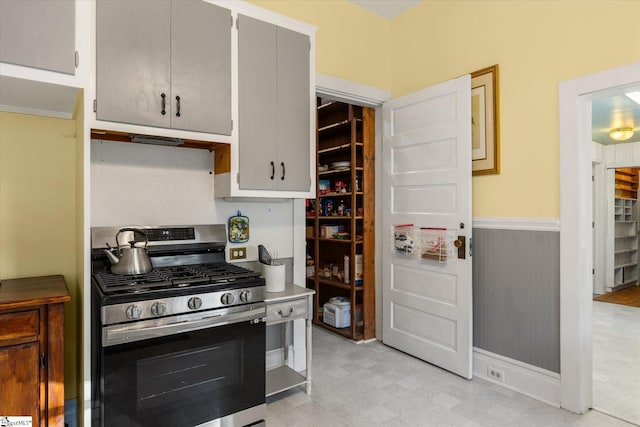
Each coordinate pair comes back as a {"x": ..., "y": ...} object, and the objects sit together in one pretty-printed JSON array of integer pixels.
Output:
[
  {"x": 286, "y": 315},
  {"x": 283, "y": 171},
  {"x": 273, "y": 170},
  {"x": 177, "y": 106},
  {"x": 163, "y": 104}
]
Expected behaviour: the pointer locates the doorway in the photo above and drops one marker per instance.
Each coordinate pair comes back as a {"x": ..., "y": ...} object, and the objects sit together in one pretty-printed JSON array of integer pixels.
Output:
[
  {"x": 616, "y": 344},
  {"x": 575, "y": 235}
]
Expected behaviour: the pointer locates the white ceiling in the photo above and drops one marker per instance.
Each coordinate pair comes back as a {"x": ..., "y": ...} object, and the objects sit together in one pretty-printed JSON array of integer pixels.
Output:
[
  {"x": 387, "y": 8},
  {"x": 615, "y": 111}
]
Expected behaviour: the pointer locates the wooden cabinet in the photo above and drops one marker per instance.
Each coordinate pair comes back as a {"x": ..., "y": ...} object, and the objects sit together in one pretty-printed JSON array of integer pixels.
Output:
[
  {"x": 38, "y": 34},
  {"x": 274, "y": 107},
  {"x": 340, "y": 220},
  {"x": 164, "y": 64},
  {"x": 32, "y": 349}
]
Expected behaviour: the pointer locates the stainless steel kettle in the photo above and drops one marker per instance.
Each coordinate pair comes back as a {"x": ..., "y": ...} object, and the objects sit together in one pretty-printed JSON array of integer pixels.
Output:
[{"x": 131, "y": 260}]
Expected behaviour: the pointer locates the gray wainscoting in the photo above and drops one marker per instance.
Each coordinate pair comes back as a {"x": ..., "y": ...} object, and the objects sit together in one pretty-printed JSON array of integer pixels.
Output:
[{"x": 516, "y": 295}]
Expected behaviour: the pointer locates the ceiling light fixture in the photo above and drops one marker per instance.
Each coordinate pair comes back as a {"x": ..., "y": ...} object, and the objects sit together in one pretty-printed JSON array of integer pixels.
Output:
[
  {"x": 634, "y": 95},
  {"x": 621, "y": 134}
]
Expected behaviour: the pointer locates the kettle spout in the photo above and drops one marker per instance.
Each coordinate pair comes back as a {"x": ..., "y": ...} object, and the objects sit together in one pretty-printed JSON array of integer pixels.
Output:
[{"x": 112, "y": 258}]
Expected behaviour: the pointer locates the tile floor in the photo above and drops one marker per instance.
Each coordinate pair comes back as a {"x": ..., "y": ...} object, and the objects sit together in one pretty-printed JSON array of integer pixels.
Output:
[
  {"x": 371, "y": 384},
  {"x": 616, "y": 360}
]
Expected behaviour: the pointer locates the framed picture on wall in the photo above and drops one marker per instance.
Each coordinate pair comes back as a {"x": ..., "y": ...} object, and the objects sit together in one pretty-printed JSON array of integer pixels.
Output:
[{"x": 485, "y": 135}]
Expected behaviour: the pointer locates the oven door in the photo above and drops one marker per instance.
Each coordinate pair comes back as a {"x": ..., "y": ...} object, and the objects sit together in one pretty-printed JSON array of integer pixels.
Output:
[{"x": 185, "y": 371}]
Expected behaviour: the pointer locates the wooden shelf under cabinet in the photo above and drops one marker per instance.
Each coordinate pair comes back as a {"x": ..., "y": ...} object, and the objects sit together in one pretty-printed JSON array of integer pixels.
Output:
[{"x": 345, "y": 332}]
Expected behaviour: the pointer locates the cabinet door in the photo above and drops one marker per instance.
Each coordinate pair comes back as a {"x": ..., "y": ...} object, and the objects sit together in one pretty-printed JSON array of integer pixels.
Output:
[
  {"x": 20, "y": 381},
  {"x": 39, "y": 34},
  {"x": 201, "y": 67},
  {"x": 294, "y": 104},
  {"x": 132, "y": 61},
  {"x": 257, "y": 127}
]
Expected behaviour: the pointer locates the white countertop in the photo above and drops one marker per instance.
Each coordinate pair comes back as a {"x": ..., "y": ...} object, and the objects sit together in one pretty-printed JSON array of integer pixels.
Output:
[{"x": 291, "y": 291}]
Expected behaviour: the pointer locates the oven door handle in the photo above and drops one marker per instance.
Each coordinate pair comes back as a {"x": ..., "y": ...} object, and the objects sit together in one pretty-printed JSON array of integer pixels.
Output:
[{"x": 124, "y": 334}]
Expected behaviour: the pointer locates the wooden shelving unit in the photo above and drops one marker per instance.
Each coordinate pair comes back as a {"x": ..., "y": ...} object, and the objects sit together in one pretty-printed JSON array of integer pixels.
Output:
[
  {"x": 340, "y": 220},
  {"x": 626, "y": 184}
]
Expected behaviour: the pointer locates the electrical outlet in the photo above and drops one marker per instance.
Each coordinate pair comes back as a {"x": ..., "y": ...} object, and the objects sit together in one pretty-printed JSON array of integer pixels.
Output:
[
  {"x": 238, "y": 253},
  {"x": 495, "y": 373}
]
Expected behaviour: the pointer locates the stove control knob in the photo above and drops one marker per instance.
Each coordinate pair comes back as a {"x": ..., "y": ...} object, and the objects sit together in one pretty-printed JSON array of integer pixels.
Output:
[
  {"x": 245, "y": 296},
  {"x": 227, "y": 298},
  {"x": 158, "y": 308},
  {"x": 194, "y": 303},
  {"x": 133, "y": 312}
]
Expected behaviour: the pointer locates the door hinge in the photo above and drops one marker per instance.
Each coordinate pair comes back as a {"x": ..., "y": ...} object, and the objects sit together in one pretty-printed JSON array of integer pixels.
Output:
[
  {"x": 42, "y": 360},
  {"x": 593, "y": 177},
  {"x": 238, "y": 178},
  {"x": 232, "y": 124},
  {"x": 593, "y": 271},
  {"x": 95, "y": 105},
  {"x": 238, "y": 22},
  {"x": 470, "y": 246},
  {"x": 232, "y": 22},
  {"x": 593, "y": 224},
  {"x": 77, "y": 58}
]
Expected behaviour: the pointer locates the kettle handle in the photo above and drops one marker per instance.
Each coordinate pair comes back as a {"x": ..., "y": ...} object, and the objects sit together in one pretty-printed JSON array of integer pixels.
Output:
[{"x": 135, "y": 230}]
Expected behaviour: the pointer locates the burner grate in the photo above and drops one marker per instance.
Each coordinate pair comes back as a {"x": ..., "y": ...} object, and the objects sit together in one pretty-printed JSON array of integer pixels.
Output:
[
  {"x": 177, "y": 276},
  {"x": 114, "y": 282}
]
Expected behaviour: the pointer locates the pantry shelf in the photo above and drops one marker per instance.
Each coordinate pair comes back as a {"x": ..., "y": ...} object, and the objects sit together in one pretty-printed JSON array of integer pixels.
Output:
[{"x": 344, "y": 206}]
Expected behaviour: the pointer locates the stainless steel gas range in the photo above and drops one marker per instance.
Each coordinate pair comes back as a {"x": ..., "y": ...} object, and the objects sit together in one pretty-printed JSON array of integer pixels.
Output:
[{"x": 182, "y": 344}]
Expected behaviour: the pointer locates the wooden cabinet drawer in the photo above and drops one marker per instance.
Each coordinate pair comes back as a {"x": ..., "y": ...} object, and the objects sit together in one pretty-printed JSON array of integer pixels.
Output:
[
  {"x": 20, "y": 324},
  {"x": 287, "y": 310}
]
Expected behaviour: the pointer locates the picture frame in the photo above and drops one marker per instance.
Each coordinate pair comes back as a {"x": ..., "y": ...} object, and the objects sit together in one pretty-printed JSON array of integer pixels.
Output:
[{"x": 485, "y": 122}]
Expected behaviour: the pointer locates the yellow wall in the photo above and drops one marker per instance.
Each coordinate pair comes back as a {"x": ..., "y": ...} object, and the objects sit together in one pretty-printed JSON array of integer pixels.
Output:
[
  {"x": 38, "y": 210},
  {"x": 351, "y": 42},
  {"x": 536, "y": 44}
]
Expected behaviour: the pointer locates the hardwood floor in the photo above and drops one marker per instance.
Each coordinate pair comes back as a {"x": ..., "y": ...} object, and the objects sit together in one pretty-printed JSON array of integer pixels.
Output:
[{"x": 628, "y": 296}]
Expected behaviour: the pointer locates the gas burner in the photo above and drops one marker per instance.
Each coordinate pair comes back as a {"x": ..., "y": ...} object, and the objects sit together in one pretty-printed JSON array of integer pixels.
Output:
[{"x": 177, "y": 276}]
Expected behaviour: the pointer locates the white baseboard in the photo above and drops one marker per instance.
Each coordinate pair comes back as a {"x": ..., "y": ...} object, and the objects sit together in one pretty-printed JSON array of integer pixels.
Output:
[{"x": 538, "y": 383}]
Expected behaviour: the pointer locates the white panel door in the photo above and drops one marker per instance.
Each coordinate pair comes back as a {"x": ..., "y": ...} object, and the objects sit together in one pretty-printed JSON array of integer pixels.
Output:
[{"x": 426, "y": 181}]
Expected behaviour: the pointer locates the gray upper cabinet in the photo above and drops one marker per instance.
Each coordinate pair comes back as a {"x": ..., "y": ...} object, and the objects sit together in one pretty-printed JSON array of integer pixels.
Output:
[
  {"x": 133, "y": 62},
  {"x": 164, "y": 64},
  {"x": 274, "y": 107},
  {"x": 38, "y": 34}
]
